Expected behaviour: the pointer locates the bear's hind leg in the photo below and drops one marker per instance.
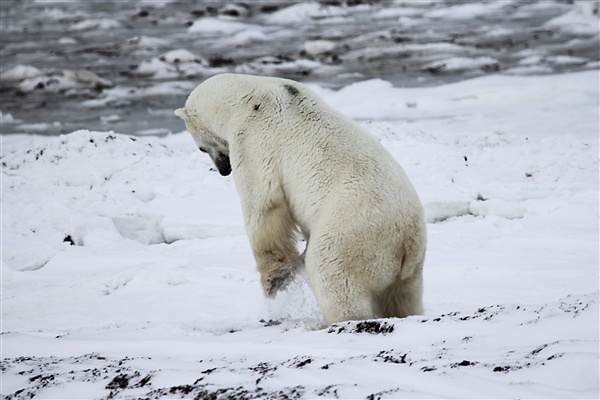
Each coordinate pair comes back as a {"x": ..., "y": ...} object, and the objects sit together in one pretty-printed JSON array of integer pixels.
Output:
[
  {"x": 402, "y": 298},
  {"x": 343, "y": 302},
  {"x": 340, "y": 297}
]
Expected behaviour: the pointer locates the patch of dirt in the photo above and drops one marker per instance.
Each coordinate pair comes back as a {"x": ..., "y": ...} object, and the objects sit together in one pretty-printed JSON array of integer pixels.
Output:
[{"x": 370, "y": 326}]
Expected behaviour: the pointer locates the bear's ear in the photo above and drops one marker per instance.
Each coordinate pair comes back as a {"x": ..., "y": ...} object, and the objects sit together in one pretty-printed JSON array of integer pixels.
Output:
[{"x": 180, "y": 112}]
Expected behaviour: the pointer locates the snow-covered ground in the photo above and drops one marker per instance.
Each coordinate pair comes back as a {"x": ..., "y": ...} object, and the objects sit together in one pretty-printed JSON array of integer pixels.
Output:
[{"x": 126, "y": 272}]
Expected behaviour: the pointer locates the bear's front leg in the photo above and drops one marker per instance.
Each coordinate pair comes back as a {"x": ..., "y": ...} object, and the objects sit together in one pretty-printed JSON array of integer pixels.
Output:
[
  {"x": 277, "y": 271},
  {"x": 269, "y": 223},
  {"x": 272, "y": 234}
]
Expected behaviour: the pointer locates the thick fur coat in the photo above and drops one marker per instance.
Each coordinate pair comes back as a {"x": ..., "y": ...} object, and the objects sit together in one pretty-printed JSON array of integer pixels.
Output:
[{"x": 301, "y": 167}]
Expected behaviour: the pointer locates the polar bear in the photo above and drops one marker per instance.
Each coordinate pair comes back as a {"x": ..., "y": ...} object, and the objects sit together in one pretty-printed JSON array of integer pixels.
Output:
[{"x": 301, "y": 167}]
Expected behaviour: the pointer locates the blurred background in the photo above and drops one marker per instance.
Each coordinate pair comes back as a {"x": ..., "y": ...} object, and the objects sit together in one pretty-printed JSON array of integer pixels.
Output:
[{"x": 126, "y": 65}]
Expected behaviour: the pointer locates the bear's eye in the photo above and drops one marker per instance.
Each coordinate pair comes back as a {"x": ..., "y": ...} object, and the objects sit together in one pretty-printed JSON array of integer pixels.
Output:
[{"x": 202, "y": 149}]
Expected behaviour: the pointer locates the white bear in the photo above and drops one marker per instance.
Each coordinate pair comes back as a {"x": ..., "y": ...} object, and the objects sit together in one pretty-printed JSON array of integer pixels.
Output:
[{"x": 301, "y": 167}]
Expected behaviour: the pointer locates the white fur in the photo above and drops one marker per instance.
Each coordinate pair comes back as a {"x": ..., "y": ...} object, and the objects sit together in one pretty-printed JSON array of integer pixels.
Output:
[{"x": 301, "y": 166}]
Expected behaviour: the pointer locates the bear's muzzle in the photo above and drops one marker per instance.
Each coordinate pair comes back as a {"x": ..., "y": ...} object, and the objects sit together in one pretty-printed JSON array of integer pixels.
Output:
[{"x": 223, "y": 165}]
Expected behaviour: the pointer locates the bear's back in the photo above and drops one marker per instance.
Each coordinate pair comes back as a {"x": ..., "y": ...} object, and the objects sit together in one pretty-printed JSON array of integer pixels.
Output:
[{"x": 328, "y": 159}]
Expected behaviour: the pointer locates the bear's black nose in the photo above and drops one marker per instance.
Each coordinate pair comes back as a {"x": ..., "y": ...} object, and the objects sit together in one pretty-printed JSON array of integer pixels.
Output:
[{"x": 223, "y": 165}]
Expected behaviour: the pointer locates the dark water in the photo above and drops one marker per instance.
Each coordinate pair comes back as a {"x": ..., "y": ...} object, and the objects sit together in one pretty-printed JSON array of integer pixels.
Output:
[{"x": 411, "y": 44}]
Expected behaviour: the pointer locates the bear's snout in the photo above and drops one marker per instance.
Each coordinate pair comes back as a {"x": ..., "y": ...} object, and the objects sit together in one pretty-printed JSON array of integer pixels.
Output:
[{"x": 223, "y": 165}]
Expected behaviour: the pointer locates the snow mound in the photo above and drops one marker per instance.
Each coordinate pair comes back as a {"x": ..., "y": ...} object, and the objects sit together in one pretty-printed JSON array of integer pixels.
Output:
[{"x": 19, "y": 73}]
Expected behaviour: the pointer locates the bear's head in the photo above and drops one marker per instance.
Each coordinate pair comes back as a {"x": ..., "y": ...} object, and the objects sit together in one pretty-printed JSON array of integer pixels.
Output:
[
  {"x": 222, "y": 108},
  {"x": 216, "y": 110},
  {"x": 208, "y": 142}
]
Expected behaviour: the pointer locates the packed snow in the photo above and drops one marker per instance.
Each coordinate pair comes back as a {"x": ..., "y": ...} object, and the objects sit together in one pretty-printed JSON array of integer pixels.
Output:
[{"x": 126, "y": 272}]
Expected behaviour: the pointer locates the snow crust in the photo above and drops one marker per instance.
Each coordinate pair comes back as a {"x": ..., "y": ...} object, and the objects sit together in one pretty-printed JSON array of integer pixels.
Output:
[{"x": 126, "y": 272}]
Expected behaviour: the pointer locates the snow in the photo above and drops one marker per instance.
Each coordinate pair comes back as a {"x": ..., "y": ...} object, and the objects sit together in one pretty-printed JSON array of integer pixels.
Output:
[
  {"x": 583, "y": 19},
  {"x": 173, "y": 64},
  {"x": 397, "y": 12},
  {"x": 179, "y": 55},
  {"x": 464, "y": 108},
  {"x": 247, "y": 36},
  {"x": 301, "y": 12},
  {"x": 64, "y": 81},
  {"x": 144, "y": 42},
  {"x": 276, "y": 66},
  {"x": 6, "y": 118},
  {"x": 126, "y": 272},
  {"x": 462, "y": 63},
  {"x": 217, "y": 26},
  {"x": 67, "y": 41},
  {"x": 469, "y": 10},
  {"x": 92, "y": 24},
  {"x": 315, "y": 47},
  {"x": 19, "y": 73}
]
